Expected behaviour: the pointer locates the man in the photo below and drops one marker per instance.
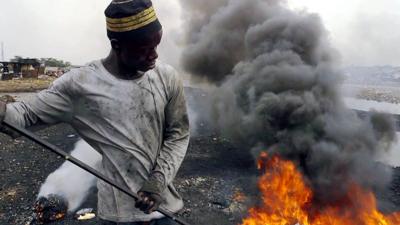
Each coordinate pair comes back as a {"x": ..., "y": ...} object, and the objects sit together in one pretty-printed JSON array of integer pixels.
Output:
[{"x": 129, "y": 109}]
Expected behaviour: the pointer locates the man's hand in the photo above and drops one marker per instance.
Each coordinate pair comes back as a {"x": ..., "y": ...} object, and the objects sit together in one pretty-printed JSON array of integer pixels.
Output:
[
  {"x": 150, "y": 197},
  {"x": 148, "y": 202},
  {"x": 3, "y": 129}
]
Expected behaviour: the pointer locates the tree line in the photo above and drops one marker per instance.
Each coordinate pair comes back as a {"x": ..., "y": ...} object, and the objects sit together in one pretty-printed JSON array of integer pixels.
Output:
[{"x": 51, "y": 62}]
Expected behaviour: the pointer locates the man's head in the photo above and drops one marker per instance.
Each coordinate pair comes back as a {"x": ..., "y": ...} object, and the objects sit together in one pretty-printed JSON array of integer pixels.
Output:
[
  {"x": 137, "y": 55},
  {"x": 134, "y": 32}
]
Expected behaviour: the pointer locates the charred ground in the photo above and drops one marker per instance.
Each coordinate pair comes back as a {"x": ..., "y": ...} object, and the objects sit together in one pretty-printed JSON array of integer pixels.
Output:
[
  {"x": 207, "y": 181},
  {"x": 211, "y": 180}
]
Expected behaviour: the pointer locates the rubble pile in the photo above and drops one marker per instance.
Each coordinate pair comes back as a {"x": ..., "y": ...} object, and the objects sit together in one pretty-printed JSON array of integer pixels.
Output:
[
  {"x": 379, "y": 95},
  {"x": 7, "y": 98}
]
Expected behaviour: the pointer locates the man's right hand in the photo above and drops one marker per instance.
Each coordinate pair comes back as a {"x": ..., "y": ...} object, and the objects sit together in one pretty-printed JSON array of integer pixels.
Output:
[{"x": 3, "y": 129}]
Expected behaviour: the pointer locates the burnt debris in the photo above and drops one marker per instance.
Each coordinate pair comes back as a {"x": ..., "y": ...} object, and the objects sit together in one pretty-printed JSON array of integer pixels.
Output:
[{"x": 49, "y": 209}]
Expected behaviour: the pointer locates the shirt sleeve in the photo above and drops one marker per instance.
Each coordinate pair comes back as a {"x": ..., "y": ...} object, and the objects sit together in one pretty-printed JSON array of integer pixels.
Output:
[
  {"x": 49, "y": 106},
  {"x": 176, "y": 133}
]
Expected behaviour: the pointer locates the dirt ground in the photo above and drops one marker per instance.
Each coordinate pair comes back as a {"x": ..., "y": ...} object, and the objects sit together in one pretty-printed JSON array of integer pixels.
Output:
[
  {"x": 207, "y": 180},
  {"x": 24, "y": 85},
  {"x": 211, "y": 180}
]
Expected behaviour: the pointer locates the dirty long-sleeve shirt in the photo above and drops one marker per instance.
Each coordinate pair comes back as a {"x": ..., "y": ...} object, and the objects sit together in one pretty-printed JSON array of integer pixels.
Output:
[{"x": 139, "y": 126}]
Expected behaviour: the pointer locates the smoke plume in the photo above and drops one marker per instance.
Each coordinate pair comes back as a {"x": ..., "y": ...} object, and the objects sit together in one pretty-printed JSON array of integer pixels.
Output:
[
  {"x": 277, "y": 90},
  {"x": 70, "y": 181}
]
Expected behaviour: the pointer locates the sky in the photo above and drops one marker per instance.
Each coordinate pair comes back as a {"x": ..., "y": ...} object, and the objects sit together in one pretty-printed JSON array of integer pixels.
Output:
[{"x": 364, "y": 33}]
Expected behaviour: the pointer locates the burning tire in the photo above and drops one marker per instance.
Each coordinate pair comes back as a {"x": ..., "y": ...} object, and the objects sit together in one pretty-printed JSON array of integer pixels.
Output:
[{"x": 49, "y": 209}]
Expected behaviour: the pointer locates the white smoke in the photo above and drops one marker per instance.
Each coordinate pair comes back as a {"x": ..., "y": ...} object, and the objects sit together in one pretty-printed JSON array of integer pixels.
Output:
[{"x": 70, "y": 181}]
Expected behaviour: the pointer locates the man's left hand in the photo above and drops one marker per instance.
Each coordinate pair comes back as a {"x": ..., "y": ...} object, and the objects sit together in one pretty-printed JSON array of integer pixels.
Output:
[
  {"x": 150, "y": 197},
  {"x": 148, "y": 202}
]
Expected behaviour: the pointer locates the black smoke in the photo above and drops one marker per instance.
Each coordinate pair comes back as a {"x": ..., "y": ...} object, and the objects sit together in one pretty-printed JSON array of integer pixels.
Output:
[{"x": 276, "y": 82}]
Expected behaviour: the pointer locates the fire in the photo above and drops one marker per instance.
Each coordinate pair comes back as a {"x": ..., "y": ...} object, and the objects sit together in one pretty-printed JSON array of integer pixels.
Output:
[
  {"x": 49, "y": 209},
  {"x": 287, "y": 200}
]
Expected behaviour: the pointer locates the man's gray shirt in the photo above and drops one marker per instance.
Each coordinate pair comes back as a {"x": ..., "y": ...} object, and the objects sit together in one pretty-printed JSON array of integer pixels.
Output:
[{"x": 139, "y": 126}]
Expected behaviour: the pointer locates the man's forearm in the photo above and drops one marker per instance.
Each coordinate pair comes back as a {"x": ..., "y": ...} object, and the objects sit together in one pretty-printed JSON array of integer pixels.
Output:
[
  {"x": 171, "y": 157},
  {"x": 20, "y": 115}
]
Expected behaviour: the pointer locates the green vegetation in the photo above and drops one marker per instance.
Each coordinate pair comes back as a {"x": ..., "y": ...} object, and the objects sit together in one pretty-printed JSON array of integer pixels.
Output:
[{"x": 52, "y": 62}]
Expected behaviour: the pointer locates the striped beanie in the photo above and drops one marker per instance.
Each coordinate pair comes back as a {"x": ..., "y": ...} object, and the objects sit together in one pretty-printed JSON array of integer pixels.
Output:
[{"x": 127, "y": 19}]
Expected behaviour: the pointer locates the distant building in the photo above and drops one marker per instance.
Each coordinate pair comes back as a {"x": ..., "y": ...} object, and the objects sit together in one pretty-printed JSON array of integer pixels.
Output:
[{"x": 25, "y": 68}]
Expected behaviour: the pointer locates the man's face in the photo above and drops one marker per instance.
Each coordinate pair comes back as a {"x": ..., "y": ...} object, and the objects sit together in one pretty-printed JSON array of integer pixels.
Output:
[{"x": 140, "y": 55}]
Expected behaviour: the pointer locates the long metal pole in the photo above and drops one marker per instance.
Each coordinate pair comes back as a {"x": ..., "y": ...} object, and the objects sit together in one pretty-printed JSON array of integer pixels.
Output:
[{"x": 82, "y": 165}]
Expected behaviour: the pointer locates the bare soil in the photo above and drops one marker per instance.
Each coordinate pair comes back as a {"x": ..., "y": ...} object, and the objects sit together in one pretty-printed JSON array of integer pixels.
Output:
[{"x": 24, "y": 85}]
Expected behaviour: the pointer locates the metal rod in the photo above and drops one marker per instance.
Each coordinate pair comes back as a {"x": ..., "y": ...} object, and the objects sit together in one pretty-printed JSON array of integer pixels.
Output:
[{"x": 83, "y": 166}]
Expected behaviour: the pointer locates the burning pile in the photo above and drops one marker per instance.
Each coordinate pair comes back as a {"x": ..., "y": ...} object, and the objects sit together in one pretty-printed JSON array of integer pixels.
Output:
[
  {"x": 277, "y": 88},
  {"x": 50, "y": 209},
  {"x": 288, "y": 200}
]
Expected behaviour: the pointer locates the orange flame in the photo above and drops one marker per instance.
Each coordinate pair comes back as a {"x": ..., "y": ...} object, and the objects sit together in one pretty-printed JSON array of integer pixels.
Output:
[{"x": 287, "y": 200}]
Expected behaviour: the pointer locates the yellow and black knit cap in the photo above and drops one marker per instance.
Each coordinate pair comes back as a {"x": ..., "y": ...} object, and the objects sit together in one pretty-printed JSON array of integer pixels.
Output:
[{"x": 131, "y": 19}]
